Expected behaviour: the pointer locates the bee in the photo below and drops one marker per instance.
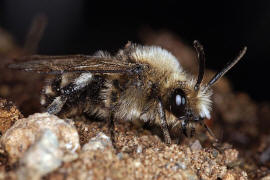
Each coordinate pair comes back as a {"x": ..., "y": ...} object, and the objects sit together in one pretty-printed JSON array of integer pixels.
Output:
[{"x": 138, "y": 83}]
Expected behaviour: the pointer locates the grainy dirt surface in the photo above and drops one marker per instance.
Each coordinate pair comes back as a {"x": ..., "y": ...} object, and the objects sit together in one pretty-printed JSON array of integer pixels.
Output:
[
  {"x": 241, "y": 125},
  {"x": 8, "y": 115},
  {"x": 141, "y": 155}
]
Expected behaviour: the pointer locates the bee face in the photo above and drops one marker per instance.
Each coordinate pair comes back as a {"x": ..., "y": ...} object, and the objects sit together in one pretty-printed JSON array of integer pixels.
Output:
[{"x": 189, "y": 105}]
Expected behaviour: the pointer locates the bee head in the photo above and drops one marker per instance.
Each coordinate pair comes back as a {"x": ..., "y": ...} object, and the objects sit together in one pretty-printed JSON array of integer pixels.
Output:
[
  {"x": 190, "y": 100},
  {"x": 187, "y": 104}
]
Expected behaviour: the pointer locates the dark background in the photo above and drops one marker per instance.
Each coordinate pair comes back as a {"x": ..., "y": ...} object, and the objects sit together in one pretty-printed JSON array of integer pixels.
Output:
[{"x": 84, "y": 26}]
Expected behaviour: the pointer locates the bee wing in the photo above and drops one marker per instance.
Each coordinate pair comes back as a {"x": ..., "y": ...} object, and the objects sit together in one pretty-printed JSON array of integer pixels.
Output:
[{"x": 74, "y": 63}]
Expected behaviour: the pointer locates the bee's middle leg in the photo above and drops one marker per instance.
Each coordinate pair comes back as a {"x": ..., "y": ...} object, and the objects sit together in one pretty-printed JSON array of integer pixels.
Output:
[{"x": 111, "y": 126}]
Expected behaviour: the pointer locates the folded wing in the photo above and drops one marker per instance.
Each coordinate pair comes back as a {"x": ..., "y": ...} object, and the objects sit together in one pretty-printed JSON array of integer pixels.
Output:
[{"x": 74, "y": 63}]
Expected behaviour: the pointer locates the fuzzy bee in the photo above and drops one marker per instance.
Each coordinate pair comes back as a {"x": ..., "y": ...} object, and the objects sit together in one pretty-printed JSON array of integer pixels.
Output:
[{"x": 139, "y": 83}]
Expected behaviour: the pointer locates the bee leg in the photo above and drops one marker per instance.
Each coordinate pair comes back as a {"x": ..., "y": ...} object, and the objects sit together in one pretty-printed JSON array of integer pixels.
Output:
[
  {"x": 184, "y": 127},
  {"x": 192, "y": 131},
  {"x": 164, "y": 125},
  {"x": 57, "y": 104},
  {"x": 216, "y": 143},
  {"x": 210, "y": 132},
  {"x": 79, "y": 84},
  {"x": 111, "y": 127}
]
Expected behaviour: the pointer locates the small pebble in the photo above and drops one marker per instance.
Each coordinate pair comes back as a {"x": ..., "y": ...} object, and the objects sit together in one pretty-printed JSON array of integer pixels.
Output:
[
  {"x": 196, "y": 146},
  {"x": 41, "y": 158},
  {"x": 26, "y": 131},
  {"x": 100, "y": 142},
  {"x": 139, "y": 149}
]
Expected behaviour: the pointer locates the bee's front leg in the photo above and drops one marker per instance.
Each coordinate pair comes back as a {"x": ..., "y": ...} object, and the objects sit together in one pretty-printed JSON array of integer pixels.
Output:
[
  {"x": 184, "y": 127},
  {"x": 163, "y": 122},
  {"x": 192, "y": 131}
]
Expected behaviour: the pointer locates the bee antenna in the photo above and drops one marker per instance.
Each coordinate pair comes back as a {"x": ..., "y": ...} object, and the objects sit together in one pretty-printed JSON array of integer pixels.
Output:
[
  {"x": 201, "y": 59},
  {"x": 227, "y": 67}
]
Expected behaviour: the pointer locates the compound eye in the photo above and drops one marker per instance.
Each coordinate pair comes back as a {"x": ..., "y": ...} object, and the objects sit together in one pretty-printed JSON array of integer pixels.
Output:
[{"x": 178, "y": 102}]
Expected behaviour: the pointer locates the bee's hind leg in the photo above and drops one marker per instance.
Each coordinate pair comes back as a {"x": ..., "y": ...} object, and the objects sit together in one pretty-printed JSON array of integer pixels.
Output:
[
  {"x": 56, "y": 106},
  {"x": 66, "y": 92}
]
